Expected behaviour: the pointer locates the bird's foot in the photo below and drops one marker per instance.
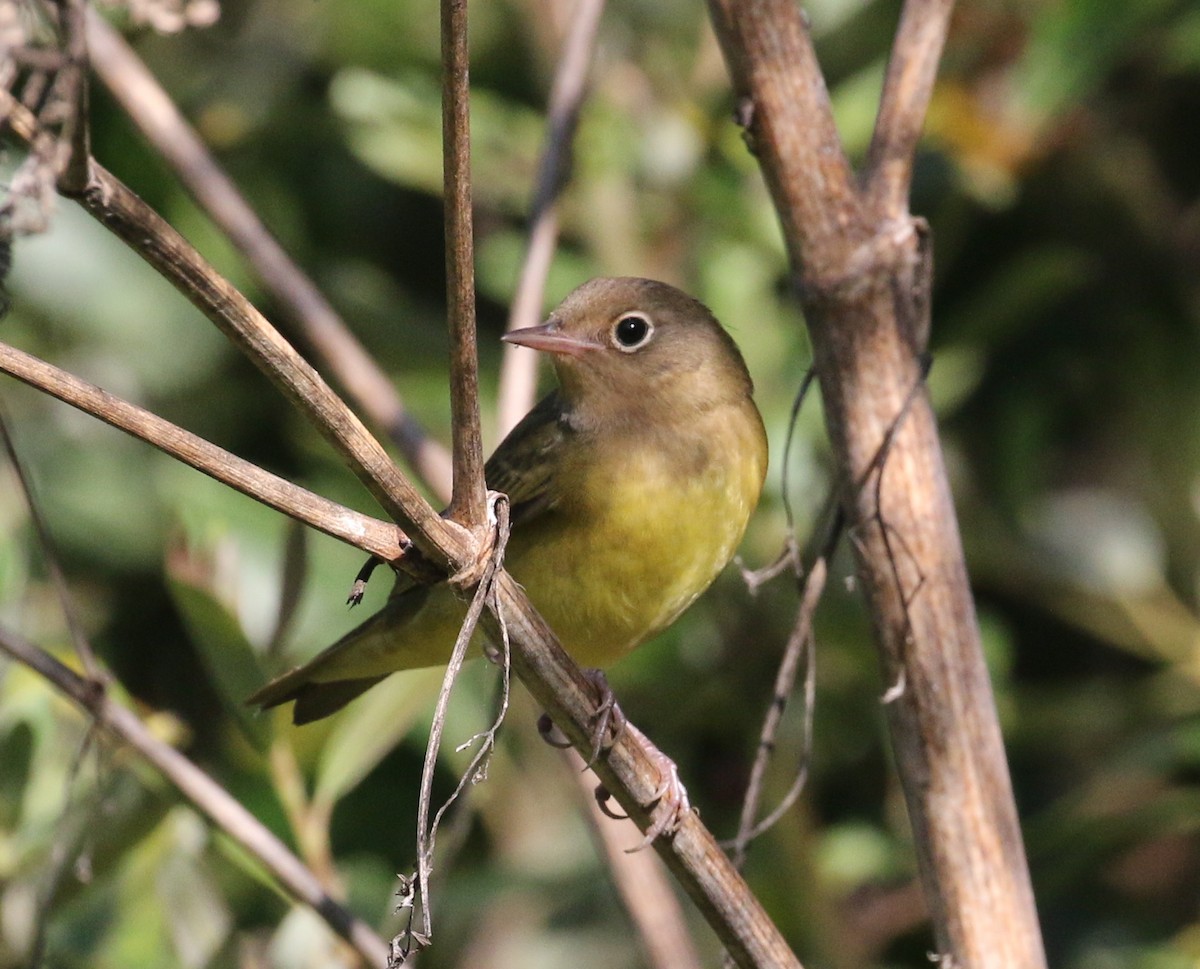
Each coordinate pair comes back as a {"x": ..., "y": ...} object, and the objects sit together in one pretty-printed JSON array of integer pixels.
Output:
[
  {"x": 608, "y": 722},
  {"x": 670, "y": 803}
]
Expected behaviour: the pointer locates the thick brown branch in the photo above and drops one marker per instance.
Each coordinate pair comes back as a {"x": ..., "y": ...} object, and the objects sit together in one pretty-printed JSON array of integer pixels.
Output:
[
  {"x": 467, "y": 506},
  {"x": 153, "y": 111},
  {"x": 861, "y": 304},
  {"x": 379, "y": 538},
  {"x": 907, "y": 89},
  {"x": 205, "y": 794},
  {"x": 777, "y": 77}
]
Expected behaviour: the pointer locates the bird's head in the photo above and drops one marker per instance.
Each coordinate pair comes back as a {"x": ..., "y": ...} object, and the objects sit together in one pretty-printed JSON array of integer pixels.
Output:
[{"x": 628, "y": 345}]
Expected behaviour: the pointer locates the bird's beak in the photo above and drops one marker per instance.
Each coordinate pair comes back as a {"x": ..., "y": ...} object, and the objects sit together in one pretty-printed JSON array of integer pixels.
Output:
[{"x": 549, "y": 338}]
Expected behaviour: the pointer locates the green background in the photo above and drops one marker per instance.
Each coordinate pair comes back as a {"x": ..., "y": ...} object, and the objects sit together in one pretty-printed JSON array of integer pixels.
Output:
[{"x": 1059, "y": 173}]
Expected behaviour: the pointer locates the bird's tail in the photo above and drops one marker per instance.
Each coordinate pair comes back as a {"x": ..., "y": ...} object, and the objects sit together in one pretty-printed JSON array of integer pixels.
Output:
[
  {"x": 403, "y": 635},
  {"x": 313, "y": 700}
]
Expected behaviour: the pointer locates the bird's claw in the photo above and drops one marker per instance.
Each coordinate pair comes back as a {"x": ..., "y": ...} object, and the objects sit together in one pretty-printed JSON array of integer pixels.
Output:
[
  {"x": 603, "y": 796},
  {"x": 609, "y": 720},
  {"x": 668, "y": 804},
  {"x": 670, "y": 799},
  {"x": 548, "y": 732}
]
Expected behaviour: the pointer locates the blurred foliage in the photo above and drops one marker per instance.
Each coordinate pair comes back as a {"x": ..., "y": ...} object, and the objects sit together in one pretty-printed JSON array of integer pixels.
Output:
[{"x": 1059, "y": 176}]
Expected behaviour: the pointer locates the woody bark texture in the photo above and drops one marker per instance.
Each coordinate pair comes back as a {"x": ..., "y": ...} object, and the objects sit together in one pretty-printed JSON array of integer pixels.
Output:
[{"x": 861, "y": 269}]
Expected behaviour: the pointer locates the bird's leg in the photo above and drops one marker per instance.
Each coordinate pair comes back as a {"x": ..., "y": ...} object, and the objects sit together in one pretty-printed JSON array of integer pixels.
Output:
[{"x": 669, "y": 803}]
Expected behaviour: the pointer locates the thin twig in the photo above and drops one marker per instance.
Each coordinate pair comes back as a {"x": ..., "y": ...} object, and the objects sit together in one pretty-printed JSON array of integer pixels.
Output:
[
  {"x": 426, "y": 831},
  {"x": 800, "y": 646},
  {"x": 789, "y": 557},
  {"x": 468, "y": 504},
  {"x": 377, "y": 537},
  {"x": 160, "y": 120},
  {"x": 907, "y": 88},
  {"x": 202, "y": 792},
  {"x": 518, "y": 367}
]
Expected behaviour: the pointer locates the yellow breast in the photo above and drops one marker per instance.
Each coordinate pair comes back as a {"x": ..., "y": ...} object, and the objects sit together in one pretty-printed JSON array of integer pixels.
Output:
[{"x": 639, "y": 531}]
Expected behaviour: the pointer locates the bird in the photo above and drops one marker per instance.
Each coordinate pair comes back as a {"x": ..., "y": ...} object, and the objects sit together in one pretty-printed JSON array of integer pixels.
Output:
[{"x": 630, "y": 487}]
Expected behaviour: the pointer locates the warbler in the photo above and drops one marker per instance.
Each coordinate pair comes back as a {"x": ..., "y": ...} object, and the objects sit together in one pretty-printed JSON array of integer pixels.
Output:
[{"x": 630, "y": 487}]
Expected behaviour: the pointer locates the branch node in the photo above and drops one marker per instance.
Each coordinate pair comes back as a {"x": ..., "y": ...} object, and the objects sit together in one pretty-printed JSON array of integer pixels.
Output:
[
  {"x": 484, "y": 541},
  {"x": 743, "y": 117}
]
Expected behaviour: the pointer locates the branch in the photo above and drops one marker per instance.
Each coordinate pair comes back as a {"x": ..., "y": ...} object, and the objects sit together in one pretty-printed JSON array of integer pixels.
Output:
[
  {"x": 907, "y": 89},
  {"x": 467, "y": 506},
  {"x": 518, "y": 368},
  {"x": 863, "y": 302},
  {"x": 800, "y": 646},
  {"x": 629, "y": 774},
  {"x": 371, "y": 535},
  {"x": 156, "y": 115},
  {"x": 204, "y": 793},
  {"x": 774, "y": 67}
]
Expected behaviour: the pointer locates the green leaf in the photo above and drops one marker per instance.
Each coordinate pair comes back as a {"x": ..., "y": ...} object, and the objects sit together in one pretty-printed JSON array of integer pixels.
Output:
[
  {"x": 231, "y": 661},
  {"x": 370, "y": 728}
]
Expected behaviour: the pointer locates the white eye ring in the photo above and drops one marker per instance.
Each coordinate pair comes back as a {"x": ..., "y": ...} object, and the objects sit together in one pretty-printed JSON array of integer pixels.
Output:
[{"x": 632, "y": 332}]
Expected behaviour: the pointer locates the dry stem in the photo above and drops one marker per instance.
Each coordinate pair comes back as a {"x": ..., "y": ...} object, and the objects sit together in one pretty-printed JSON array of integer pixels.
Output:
[
  {"x": 859, "y": 259},
  {"x": 202, "y": 791},
  {"x": 153, "y": 111},
  {"x": 468, "y": 501},
  {"x": 377, "y": 537}
]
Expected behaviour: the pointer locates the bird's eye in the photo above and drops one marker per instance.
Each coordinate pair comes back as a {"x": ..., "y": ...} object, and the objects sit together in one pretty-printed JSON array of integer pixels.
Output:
[{"x": 632, "y": 332}]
